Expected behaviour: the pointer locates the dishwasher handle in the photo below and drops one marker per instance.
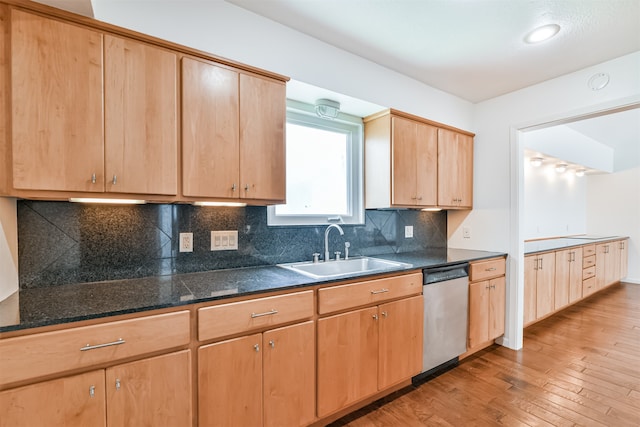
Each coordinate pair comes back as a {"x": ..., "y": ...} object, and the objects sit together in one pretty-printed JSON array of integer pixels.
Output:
[{"x": 445, "y": 272}]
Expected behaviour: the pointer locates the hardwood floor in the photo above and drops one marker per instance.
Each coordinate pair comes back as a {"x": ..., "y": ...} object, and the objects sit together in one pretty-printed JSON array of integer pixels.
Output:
[{"x": 580, "y": 367}]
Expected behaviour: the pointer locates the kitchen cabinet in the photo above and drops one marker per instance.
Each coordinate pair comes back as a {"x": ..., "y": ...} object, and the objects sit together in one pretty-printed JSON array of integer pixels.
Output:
[
  {"x": 112, "y": 127},
  {"x": 233, "y": 133},
  {"x": 404, "y": 164},
  {"x": 78, "y": 400},
  {"x": 5, "y": 153},
  {"x": 262, "y": 378},
  {"x": 607, "y": 270},
  {"x": 539, "y": 286},
  {"x": 366, "y": 350},
  {"x": 624, "y": 259},
  {"x": 568, "y": 277},
  {"x": 455, "y": 169},
  {"x": 487, "y": 302}
]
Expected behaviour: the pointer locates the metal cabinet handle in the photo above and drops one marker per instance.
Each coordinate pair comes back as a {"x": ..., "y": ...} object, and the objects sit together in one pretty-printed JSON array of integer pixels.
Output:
[
  {"x": 375, "y": 317},
  {"x": 381, "y": 291},
  {"x": 92, "y": 391},
  {"x": 272, "y": 344},
  {"x": 246, "y": 187},
  {"x": 115, "y": 179},
  {"x": 266, "y": 313},
  {"x": 540, "y": 263},
  {"x": 93, "y": 178},
  {"x": 256, "y": 347},
  {"x": 108, "y": 344},
  {"x": 117, "y": 383},
  {"x": 384, "y": 314},
  {"x": 490, "y": 269},
  {"x": 233, "y": 187}
]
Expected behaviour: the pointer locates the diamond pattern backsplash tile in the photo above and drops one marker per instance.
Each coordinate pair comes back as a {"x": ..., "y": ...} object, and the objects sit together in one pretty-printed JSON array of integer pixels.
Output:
[{"x": 61, "y": 243}]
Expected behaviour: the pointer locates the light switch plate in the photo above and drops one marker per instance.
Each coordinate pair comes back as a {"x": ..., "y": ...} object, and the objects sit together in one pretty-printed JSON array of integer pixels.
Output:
[
  {"x": 408, "y": 231},
  {"x": 224, "y": 240}
]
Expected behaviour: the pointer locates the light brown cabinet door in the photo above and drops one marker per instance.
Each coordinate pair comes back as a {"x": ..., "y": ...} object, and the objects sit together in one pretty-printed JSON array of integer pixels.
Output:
[
  {"x": 289, "y": 375},
  {"x": 563, "y": 278},
  {"x": 624, "y": 259},
  {"x": 604, "y": 265},
  {"x": 210, "y": 130},
  {"x": 415, "y": 167},
  {"x": 230, "y": 382},
  {"x": 575, "y": 276},
  {"x": 455, "y": 169},
  {"x": 57, "y": 120},
  {"x": 614, "y": 272},
  {"x": 262, "y": 144},
  {"x": 478, "y": 313},
  {"x": 150, "y": 392},
  {"x": 530, "y": 291},
  {"x": 400, "y": 335},
  {"x": 347, "y": 359},
  {"x": 497, "y": 306},
  {"x": 141, "y": 140},
  {"x": 73, "y": 401},
  {"x": 545, "y": 284}
]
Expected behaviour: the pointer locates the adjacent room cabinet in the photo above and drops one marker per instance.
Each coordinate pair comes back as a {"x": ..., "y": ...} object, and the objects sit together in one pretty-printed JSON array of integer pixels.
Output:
[
  {"x": 413, "y": 162},
  {"x": 487, "y": 302},
  {"x": 368, "y": 349},
  {"x": 539, "y": 286},
  {"x": 232, "y": 133},
  {"x": 111, "y": 127},
  {"x": 261, "y": 379},
  {"x": 568, "y": 286}
]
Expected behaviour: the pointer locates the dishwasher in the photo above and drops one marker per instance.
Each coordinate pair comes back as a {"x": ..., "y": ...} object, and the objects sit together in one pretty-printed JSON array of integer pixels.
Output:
[{"x": 446, "y": 308}]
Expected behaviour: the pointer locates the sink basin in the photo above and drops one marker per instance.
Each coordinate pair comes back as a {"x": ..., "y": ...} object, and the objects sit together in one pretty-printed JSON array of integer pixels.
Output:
[{"x": 330, "y": 269}]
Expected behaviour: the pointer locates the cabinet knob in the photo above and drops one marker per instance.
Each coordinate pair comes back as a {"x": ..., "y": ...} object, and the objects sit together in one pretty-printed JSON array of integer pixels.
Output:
[
  {"x": 256, "y": 347},
  {"x": 384, "y": 314},
  {"x": 272, "y": 344},
  {"x": 92, "y": 391},
  {"x": 117, "y": 383},
  {"x": 375, "y": 317}
]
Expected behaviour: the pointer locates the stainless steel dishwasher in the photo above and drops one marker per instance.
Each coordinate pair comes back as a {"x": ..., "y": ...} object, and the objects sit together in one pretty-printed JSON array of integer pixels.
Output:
[{"x": 446, "y": 302}]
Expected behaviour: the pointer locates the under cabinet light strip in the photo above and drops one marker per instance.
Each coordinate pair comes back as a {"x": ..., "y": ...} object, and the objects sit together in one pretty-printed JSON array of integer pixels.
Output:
[{"x": 107, "y": 201}]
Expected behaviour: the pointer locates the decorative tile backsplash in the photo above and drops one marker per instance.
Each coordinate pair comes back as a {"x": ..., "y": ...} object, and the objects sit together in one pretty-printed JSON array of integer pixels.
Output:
[{"x": 61, "y": 242}]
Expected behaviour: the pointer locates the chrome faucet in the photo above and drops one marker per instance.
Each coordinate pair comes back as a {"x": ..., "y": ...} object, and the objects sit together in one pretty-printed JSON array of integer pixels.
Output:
[{"x": 326, "y": 239}]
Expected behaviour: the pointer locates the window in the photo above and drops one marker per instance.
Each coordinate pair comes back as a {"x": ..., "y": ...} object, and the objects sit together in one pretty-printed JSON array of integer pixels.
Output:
[{"x": 324, "y": 170}]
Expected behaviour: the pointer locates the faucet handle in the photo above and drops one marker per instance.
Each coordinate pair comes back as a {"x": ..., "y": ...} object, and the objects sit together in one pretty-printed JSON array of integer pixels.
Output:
[
  {"x": 316, "y": 257},
  {"x": 337, "y": 255},
  {"x": 347, "y": 245}
]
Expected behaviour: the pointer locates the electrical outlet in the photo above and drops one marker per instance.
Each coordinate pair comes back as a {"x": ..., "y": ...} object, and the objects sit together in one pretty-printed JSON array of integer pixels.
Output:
[
  {"x": 466, "y": 232},
  {"x": 224, "y": 240},
  {"x": 186, "y": 242},
  {"x": 408, "y": 231}
]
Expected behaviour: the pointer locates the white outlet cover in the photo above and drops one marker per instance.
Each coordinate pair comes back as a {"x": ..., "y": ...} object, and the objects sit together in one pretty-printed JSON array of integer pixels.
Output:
[
  {"x": 408, "y": 231},
  {"x": 186, "y": 242}
]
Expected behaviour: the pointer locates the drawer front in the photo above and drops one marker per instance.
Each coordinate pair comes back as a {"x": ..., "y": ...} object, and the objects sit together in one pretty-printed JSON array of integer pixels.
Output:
[
  {"x": 229, "y": 319},
  {"x": 588, "y": 250},
  {"x": 589, "y": 261},
  {"x": 588, "y": 273},
  {"x": 487, "y": 269},
  {"x": 588, "y": 286},
  {"x": 37, "y": 355},
  {"x": 353, "y": 295}
]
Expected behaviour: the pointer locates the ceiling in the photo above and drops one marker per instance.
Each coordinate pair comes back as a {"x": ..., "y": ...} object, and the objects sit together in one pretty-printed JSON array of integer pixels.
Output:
[{"x": 473, "y": 49}]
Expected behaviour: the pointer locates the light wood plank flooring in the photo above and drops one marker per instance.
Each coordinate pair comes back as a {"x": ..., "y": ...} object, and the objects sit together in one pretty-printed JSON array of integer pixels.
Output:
[{"x": 580, "y": 367}]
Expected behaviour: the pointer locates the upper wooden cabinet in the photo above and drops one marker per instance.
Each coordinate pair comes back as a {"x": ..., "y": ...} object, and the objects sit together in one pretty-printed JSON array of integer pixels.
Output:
[
  {"x": 65, "y": 92},
  {"x": 232, "y": 133},
  {"x": 413, "y": 162},
  {"x": 57, "y": 99},
  {"x": 141, "y": 108},
  {"x": 455, "y": 169}
]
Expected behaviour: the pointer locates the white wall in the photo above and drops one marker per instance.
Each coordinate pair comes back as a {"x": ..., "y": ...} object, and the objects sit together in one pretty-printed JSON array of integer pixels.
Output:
[
  {"x": 554, "y": 204},
  {"x": 8, "y": 247},
  {"x": 613, "y": 203}
]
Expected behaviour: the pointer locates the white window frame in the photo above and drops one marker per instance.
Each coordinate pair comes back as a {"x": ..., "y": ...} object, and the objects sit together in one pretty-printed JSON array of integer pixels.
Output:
[{"x": 301, "y": 113}]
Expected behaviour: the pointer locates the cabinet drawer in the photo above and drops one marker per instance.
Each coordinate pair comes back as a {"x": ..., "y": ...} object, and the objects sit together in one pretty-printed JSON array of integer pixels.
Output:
[
  {"x": 43, "y": 354},
  {"x": 588, "y": 273},
  {"x": 343, "y": 297},
  {"x": 588, "y": 250},
  {"x": 589, "y": 261},
  {"x": 588, "y": 286},
  {"x": 487, "y": 269},
  {"x": 229, "y": 319}
]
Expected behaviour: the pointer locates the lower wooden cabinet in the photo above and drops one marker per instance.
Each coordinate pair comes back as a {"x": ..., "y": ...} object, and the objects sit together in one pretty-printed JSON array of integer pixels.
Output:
[
  {"x": 363, "y": 351},
  {"x": 539, "y": 286},
  {"x": 487, "y": 301},
  {"x": 568, "y": 280},
  {"x": 261, "y": 379},
  {"x": 153, "y": 392}
]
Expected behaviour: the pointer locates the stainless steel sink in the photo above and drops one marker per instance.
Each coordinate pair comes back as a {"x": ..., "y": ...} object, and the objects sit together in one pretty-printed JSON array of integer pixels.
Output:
[{"x": 331, "y": 269}]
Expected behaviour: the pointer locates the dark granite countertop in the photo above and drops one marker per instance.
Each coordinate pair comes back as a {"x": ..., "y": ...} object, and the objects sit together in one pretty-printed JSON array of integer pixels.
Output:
[
  {"x": 83, "y": 301},
  {"x": 546, "y": 245}
]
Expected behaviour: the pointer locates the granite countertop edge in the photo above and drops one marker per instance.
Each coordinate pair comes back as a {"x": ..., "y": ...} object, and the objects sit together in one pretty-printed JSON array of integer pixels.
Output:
[
  {"x": 550, "y": 245},
  {"x": 85, "y": 301}
]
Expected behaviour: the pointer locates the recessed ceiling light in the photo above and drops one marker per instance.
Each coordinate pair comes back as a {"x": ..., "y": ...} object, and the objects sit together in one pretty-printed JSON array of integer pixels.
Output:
[
  {"x": 543, "y": 33},
  {"x": 561, "y": 167},
  {"x": 536, "y": 161},
  {"x": 580, "y": 172}
]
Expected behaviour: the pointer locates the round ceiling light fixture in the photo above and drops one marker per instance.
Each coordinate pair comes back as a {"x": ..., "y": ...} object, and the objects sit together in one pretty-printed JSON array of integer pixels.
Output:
[{"x": 543, "y": 33}]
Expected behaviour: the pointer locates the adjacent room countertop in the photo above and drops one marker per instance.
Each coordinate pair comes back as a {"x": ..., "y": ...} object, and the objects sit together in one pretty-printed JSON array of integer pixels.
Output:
[
  {"x": 547, "y": 245},
  {"x": 83, "y": 301}
]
